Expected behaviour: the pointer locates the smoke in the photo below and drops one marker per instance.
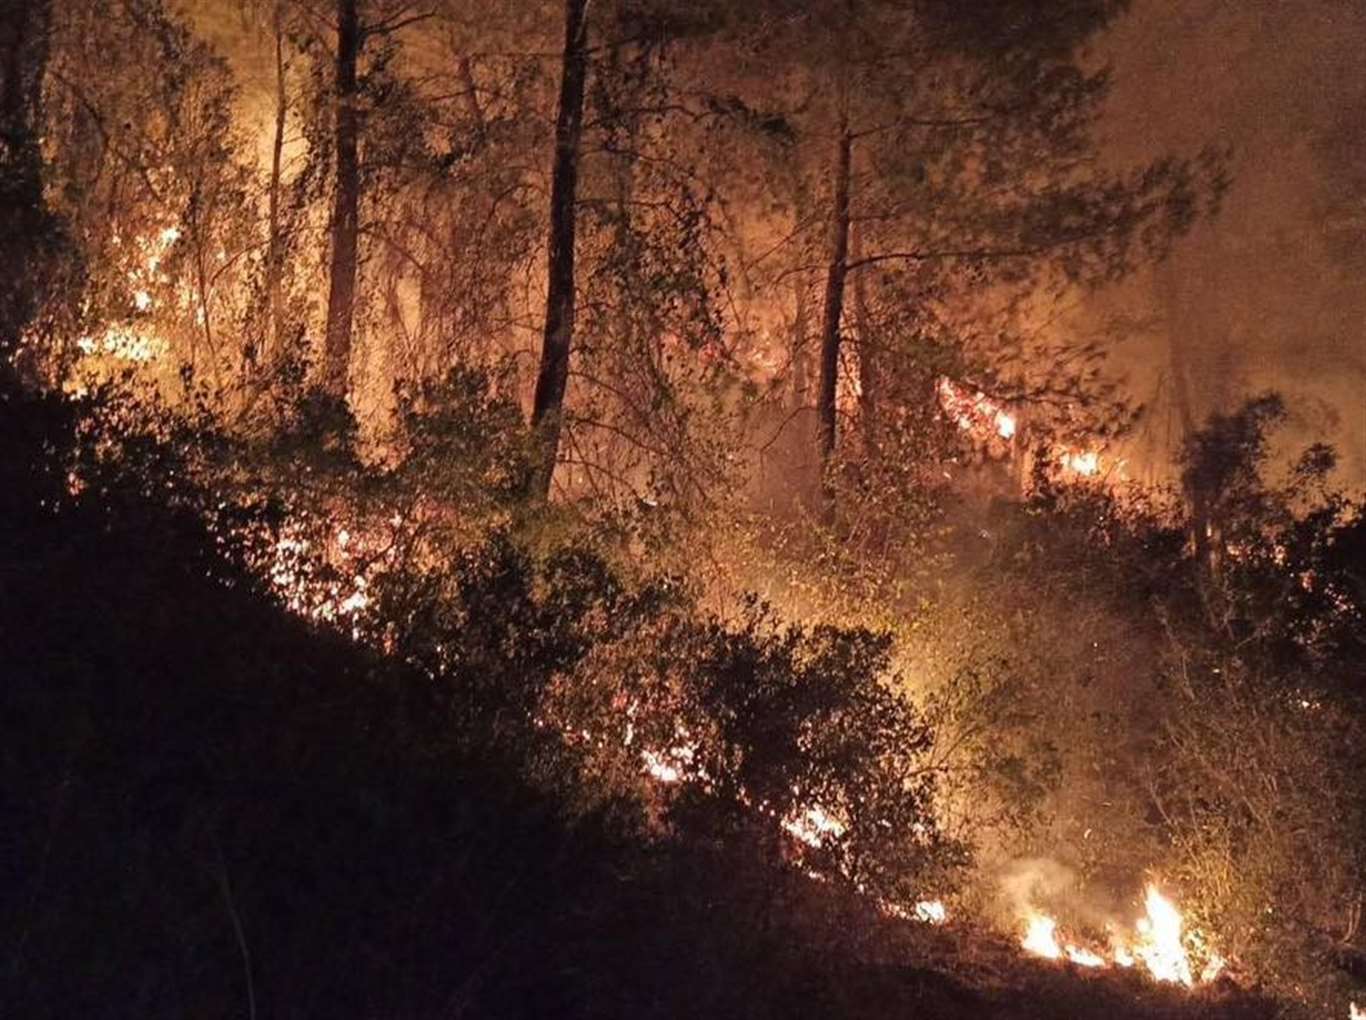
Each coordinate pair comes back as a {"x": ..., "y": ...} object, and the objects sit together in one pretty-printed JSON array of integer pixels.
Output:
[
  {"x": 1270, "y": 295},
  {"x": 1028, "y": 885}
]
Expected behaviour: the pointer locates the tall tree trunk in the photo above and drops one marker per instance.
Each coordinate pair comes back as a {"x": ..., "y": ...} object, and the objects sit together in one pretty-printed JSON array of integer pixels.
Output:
[
  {"x": 800, "y": 323},
  {"x": 834, "y": 297},
  {"x": 25, "y": 33},
  {"x": 1181, "y": 387},
  {"x": 275, "y": 252},
  {"x": 202, "y": 286},
  {"x": 341, "y": 299},
  {"x": 548, "y": 405},
  {"x": 25, "y": 27},
  {"x": 1202, "y": 527},
  {"x": 867, "y": 352}
]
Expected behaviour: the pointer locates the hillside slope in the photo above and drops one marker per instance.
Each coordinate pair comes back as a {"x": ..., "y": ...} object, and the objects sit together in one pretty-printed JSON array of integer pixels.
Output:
[{"x": 210, "y": 809}]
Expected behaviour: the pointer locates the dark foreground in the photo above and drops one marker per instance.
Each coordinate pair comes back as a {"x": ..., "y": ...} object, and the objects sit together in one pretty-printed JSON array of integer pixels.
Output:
[{"x": 209, "y": 809}]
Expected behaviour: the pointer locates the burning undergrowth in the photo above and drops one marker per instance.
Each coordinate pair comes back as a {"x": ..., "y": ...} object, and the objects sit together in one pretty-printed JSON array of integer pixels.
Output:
[
  {"x": 793, "y": 735},
  {"x": 760, "y": 728},
  {"x": 1152, "y": 936},
  {"x": 871, "y": 761}
]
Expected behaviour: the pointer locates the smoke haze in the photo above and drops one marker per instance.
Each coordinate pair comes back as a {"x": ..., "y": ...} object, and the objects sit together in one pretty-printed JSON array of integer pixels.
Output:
[{"x": 1272, "y": 294}]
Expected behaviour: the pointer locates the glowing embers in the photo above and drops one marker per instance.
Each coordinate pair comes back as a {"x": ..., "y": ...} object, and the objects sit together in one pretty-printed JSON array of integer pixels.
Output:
[
  {"x": 324, "y": 585},
  {"x": 1085, "y": 463},
  {"x": 669, "y": 766},
  {"x": 975, "y": 412},
  {"x": 931, "y": 912},
  {"x": 126, "y": 342},
  {"x": 1158, "y": 943},
  {"x": 813, "y": 826},
  {"x": 123, "y": 345}
]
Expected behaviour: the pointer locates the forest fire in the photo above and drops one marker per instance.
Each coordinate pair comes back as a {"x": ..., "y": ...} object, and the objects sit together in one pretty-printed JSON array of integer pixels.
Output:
[
  {"x": 974, "y": 411},
  {"x": 671, "y": 766},
  {"x": 133, "y": 342},
  {"x": 813, "y": 826},
  {"x": 1157, "y": 943},
  {"x": 626, "y": 505},
  {"x": 987, "y": 421},
  {"x": 931, "y": 912},
  {"x": 316, "y": 587},
  {"x": 1084, "y": 463}
]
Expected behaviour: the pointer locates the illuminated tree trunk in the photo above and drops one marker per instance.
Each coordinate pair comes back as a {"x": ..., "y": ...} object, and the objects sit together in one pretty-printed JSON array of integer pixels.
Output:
[
  {"x": 195, "y": 233},
  {"x": 341, "y": 300},
  {"x": 834, "y": 298},
  {"x": 801, "y": 323},
  {"x": 1202, "y": 526},
  {"x": 799, "y": 353},
  {"x": 548, "y": 405},
  {"x": 275, "y": 254},
  {"x": 867, "y": 354}
]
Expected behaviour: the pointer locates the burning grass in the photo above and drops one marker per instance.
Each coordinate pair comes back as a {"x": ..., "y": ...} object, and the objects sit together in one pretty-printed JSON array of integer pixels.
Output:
[{"x": 1158, "y": 943}]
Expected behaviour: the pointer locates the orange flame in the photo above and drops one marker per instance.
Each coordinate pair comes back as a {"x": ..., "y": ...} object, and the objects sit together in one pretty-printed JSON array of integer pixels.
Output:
[
  {"x": 974, "y": 411},
  {"x": 1160, "y": 944},
  {"x": 1085, "y": 463},
  {"x": 931, "y": 912},
  {"x": 1041, "y": 939},
  {"x": 1159, "y": 947},
  {"x": 813, "y": 826}
]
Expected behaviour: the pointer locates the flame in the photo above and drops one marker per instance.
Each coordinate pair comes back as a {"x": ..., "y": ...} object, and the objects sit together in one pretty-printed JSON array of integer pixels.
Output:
[
  {"x": 974, "y": 411},
  {"x": 1041, "y": 937},
  {"x": 1355, "y": 1012},
  {"x": 1214, "y": 967},
  {"x": 123, "y": 345},
  {"x": 924, "y": 911},
  {"x": 1160, "y": 944},
  {"x": 813, "y": 825},
  {"x": 1160, "y": 947},
  {"x": 931, "y": 912},
  {"x": 293, "y": 567},
  {"x": 1083, "y": 957},
  {"x": 1119, "y": 952},
  {"x": 1086, "y": 463},
  {"x": 671, "y": 766},
  {"x": 659, "y": 767},
  {"x": 986, "y": 419},
  {"x": 132, "y": 343}
]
